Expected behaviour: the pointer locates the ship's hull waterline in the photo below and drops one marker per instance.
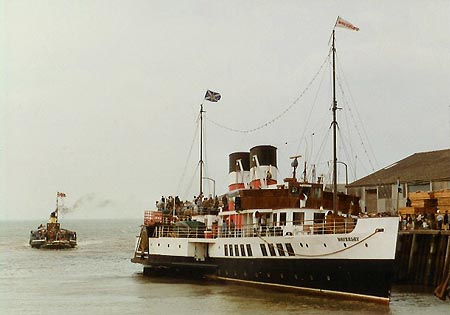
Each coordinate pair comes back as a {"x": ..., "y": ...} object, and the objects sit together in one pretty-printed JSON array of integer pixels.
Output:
[{"x": 354, "y": 278}]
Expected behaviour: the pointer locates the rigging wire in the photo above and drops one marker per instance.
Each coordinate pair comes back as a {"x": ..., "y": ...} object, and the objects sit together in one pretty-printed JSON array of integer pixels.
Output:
[
  {"x": 189, "y": 157},
  {"x": 344, "y": 148},
  {"x": 313, "y": 104},
  {"x": 205, "y": 165},
  {"x": 192, "y": 180},
  {"x": 282, "y": 113},
  {"x": 383, "y": 190},
  {"x": 322, "y": 146},
  {"x": 358, "y": 118}
]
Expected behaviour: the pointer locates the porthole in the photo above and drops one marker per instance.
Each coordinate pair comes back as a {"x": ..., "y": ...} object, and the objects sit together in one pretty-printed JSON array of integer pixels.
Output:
[
  {"x": 159, "y": 244},
  {"x": 345, "y": 245},
  {"x": 295, "y": 277},
  {"x": 324, "y": 245},
  {"x": 301, "y": 244},
  {"x": 281, "y": 276},
  {"x": 367, "y": 245},
  {"x": 311, "y": 277},
  {"x": 306, "y": 245},
  {"x": 268, "y": 275},
  {"x": 328, "y": 278},
  {"x": 179, "y": 246}
]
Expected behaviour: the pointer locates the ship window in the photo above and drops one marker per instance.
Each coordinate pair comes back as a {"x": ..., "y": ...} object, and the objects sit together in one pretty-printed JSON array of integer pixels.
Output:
[
  {"x": 280, "y": 249},
  {"x": 225, "y": 247},
  {"x": 242, "y": 250},
  {"x": 282, "y": 218},
  {"x": 263, "y": 249},
  {"x": 290, "y": 250},
  {"x": 249, "y": 250},
  {"x": 231, "y": 250},
  {"x": 299, "y": 218},
  {"x": 272, "y": 250},
  {"x": 236, "y": 249},
  {"x": 319, "y": 217}
]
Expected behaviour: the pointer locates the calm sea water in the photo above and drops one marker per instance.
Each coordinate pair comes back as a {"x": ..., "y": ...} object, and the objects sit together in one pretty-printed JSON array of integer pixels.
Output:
[{"x": 98, "y": 278}]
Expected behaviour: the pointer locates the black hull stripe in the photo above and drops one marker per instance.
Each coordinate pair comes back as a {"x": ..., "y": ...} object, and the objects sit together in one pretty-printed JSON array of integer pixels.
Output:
[{"x": 367, "y": 279}]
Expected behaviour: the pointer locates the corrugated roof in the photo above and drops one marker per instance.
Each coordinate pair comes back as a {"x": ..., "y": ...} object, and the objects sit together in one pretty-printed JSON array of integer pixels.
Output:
[{"x": 423, "y": 166}]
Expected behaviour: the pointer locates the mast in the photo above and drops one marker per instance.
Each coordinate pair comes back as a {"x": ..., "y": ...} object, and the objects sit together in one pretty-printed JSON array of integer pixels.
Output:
[
  {"x": 201, "y": 149},
  {"x": 212, "y": 97},
  {"x": 57, "y": 206},
  {"x": 334, "y": 123}
]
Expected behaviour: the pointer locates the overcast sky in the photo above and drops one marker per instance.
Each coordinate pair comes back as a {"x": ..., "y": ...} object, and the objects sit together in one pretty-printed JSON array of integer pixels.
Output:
[{"x": 100, "y": 99}]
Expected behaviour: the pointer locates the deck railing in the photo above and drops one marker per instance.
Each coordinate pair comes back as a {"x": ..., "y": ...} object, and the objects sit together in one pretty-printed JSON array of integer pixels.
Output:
[{"x": 327, "y": 226}]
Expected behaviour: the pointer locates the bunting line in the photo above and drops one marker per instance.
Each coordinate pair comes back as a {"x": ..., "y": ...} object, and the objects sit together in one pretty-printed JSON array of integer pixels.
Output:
[{"x": 308, "y": 86}]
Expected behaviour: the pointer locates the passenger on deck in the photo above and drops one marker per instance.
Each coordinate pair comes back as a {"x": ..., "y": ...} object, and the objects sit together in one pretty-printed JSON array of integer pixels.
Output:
[
  {"x": 225, "y": 203},
  {"x": 224, "y": 228},
  {"x": 216, "y": 203},
  {"x": 232, "y": 227}
]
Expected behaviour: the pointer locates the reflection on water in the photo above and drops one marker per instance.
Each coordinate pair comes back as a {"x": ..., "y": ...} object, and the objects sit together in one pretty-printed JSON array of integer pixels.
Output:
[{"x": 97, "y": 277}]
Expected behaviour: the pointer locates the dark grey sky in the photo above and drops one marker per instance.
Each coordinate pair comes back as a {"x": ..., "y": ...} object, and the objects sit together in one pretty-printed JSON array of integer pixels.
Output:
[{"x": 99, "y": 99}]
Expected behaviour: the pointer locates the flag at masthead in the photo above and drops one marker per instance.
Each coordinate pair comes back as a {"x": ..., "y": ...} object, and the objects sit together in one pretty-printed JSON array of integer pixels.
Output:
[
  {"x": 340, "y": 22},
  {"x": 212, "y": 96}
]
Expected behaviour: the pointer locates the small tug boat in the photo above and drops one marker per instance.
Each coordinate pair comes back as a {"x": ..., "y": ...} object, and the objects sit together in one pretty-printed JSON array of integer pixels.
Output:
[{"x": 51, "y": 235}]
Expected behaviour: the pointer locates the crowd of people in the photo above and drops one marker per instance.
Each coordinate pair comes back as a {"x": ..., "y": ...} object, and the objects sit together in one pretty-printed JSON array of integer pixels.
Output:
[
  {"x": 199, "y": 205},
  {"x": 431, "y": 221}
]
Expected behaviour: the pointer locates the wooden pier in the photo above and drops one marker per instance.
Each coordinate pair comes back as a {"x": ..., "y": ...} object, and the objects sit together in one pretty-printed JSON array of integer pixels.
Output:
[{"x": 423, "y": 257}]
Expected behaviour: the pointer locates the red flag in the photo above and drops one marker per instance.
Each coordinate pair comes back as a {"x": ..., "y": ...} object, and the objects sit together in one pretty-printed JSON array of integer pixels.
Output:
[{"x": 345, "y": 24}]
